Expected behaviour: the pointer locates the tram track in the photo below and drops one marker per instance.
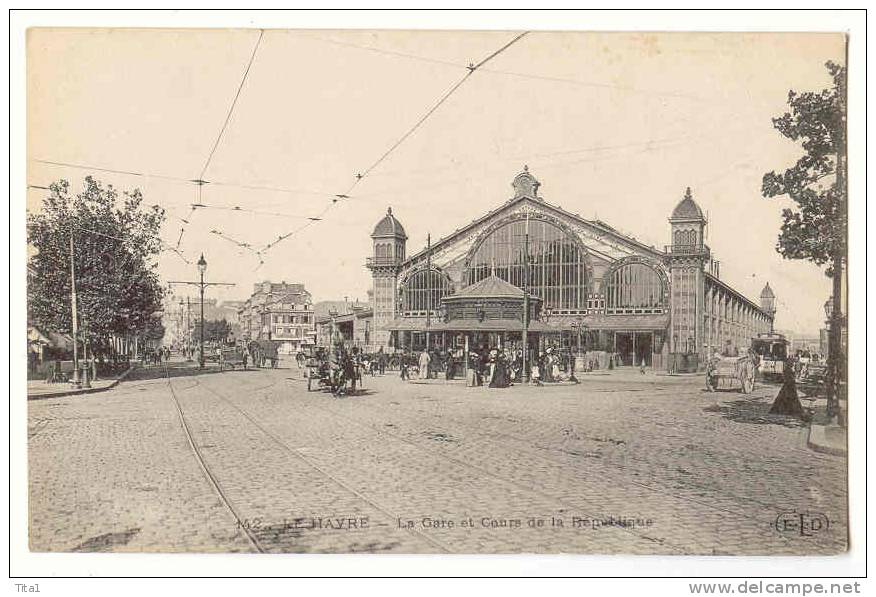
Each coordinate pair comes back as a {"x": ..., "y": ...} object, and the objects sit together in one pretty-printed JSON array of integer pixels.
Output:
[
  {"x": 527, "y": 446},
  {"x": 235, "y": 509},
  {"x": 207, "y": 470},
  {"x": 484, "y": 471},
  {"x": 527, "y": 443}
]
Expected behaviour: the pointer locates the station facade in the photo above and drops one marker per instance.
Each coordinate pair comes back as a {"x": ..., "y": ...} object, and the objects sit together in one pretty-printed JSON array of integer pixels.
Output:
[{"x": 531, "y": 269}]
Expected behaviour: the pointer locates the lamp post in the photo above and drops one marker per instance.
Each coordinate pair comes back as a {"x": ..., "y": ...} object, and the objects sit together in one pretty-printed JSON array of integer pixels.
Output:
[
  {"x": 832, "y": 350},
  {"x": 202, "y": 268},
  {"x": 579, "y": 327}
]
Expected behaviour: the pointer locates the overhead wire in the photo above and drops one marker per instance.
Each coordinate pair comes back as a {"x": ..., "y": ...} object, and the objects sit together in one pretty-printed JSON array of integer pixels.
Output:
[
  {"x": 200, "y": 180},
  {"x": 231, "y": 239},
  {"x": 335, "y": 198},
  {"x": 472, "y": 68},
  {"x": 233, "y": 103},
  {"x": 237, "y": 208},
  {"x": 180, "y": 179},
  {"x": 383, "y": 51}
]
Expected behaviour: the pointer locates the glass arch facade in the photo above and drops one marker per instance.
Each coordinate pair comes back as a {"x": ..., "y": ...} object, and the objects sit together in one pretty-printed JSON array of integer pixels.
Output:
[
  {"x": 634, "y": 287},
  {"x": 557, "y": 272},
  {"x": 416, "y": 291}
]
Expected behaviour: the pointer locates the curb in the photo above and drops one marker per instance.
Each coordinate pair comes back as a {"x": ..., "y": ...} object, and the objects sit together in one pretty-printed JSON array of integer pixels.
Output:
[
  {"x": 61, "y": 394},
  {"x": 817, "y": 441}
]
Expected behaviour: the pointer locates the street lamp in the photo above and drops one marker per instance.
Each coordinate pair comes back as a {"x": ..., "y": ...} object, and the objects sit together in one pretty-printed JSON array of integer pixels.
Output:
[
  {"x": 832, "y": 354},
  {"x": 579, "y": 327},
  {"x": 202, "y": 268}
]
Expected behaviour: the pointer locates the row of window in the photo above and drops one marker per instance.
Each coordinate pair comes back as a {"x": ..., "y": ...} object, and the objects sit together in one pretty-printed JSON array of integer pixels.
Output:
[
  {"x": 283, "y": 318},
  {"x": 291, "y": 332},
  {"x": 556, "y": 273}
]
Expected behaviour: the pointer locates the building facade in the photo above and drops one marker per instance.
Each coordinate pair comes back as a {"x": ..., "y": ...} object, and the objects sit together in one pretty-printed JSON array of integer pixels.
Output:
[
  {"x": 583, "y": 284},
  {"x": 279, "y": 312},
  {"x": 353, "y": 323}
]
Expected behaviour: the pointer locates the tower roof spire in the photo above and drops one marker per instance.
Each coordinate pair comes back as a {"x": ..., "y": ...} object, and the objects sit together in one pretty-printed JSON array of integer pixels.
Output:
[
  {"x": 687, "y": 209},
  {"x": 389, "y": 227}
]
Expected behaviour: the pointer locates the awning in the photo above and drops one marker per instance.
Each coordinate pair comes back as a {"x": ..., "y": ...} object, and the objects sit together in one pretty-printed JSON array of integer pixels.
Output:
[
  {"x": 628, "y": 323},
  {"x": 555, "y": 324},
  {"x": 467, "y": 325},
  {"x": 406, "y": 325}
]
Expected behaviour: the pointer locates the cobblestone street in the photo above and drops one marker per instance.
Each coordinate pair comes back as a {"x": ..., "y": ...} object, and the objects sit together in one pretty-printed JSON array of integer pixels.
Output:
[{"x": 252, "y": 461}]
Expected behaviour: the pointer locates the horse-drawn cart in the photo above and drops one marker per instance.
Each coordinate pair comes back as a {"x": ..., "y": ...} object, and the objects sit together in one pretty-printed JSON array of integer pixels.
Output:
[
  {"x": 233, "y": 358},
  {"x": 731, "y": 372},
  {"x": 316, "y": 368}
]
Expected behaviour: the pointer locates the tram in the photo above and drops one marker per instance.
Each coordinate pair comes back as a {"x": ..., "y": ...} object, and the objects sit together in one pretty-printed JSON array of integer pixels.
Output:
[{"x": 771, "y": 350}]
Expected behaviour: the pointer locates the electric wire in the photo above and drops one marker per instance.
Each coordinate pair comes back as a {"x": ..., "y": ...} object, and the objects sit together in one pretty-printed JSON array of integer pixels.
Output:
[
  {"x": 410, "y": 131},
  {"x": 233, "y": 104}
]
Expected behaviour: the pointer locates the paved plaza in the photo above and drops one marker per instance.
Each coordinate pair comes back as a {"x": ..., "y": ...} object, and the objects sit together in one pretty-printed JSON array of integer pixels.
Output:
[{"x": 245, "y": 461}]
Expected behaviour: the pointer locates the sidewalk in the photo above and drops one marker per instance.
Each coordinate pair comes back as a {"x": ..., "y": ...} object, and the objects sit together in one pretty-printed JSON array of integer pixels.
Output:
[
  {"x": 825, "y": 436},
  {"x": 38, "y": 389}
]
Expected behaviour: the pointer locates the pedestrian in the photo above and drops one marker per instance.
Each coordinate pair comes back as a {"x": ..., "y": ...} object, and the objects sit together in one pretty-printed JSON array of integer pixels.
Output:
[
  {"x": 403, "y": 367},
  {"x": 787, "y": 402},
  {"x": 425, "y": 360},
  {"x": 381, "y": 361},
  {"x": 547, "y": 366},
  {"x": 245, "y": 357},
  {"x": 500, "y": 372},
  {"x": 535, "y": 371}
]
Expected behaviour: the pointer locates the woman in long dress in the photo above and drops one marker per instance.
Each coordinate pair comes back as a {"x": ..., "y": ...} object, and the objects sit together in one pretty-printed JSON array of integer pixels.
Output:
[
  {"x": 548, "y": 366},
  {"x": 500, "y": 372}
]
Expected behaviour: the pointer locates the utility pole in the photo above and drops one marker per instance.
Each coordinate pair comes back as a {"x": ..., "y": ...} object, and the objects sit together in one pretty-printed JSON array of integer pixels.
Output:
[
  {"x": 202, "y": 268},
  {"x": 188, "y": 323},
  {"x": 525, "y": 373},
  {"x": 835, "y": 354},
  {"x": 76, "y": 381},
  {"x": 428, "y": 288}
]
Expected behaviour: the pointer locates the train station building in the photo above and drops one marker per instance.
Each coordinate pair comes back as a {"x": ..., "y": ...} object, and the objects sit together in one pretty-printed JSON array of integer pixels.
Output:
[{"x": 584, "y": 284}]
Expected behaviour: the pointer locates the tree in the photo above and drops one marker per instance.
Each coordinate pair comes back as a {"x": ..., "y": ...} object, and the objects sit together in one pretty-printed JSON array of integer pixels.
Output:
[
  {"x": 816, "y": 230},
  {"x": 817, "y": 182},
  {"x": 215, "y": 330},
  {"x": 116, "y": 243}
]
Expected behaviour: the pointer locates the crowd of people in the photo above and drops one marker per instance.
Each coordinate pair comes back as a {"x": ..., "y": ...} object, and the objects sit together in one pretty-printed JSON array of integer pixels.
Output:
[{"x": 496, "y": 367}]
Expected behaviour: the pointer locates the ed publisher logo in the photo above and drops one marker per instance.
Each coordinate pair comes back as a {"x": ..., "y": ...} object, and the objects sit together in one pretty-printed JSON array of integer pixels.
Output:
[{"x": 804, "y": 524}]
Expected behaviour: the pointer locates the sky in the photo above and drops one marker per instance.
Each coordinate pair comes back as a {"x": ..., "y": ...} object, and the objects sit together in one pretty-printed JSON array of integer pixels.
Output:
[{"x": 614, "y": 125}]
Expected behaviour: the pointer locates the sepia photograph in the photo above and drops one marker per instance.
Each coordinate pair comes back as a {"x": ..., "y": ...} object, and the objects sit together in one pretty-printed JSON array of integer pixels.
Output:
[{"x": 362, "y": 290}]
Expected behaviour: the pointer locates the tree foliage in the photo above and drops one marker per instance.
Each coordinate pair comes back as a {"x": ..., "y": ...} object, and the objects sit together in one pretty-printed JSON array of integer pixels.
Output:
[
  {"x": 116, "y": 244},
  {"x": 215, "y": 330},
  {"x": 816, "y": 230}
]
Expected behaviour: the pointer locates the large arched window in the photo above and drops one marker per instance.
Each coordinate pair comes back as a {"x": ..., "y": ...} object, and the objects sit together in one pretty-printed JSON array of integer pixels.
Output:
[
  {"x": 422, "y": 293},
  {"x": 557, "y": 272},
  {"x": 634, "y": 287}
]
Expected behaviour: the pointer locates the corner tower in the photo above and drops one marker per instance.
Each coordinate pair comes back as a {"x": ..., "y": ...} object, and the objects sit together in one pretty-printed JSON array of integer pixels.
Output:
[
  {"x": 687, "y": 258},
  {"x": 768, "y": 303},
  {"x": 388, "y": 244}
]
